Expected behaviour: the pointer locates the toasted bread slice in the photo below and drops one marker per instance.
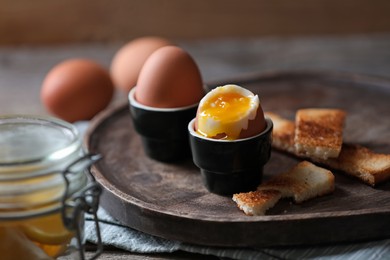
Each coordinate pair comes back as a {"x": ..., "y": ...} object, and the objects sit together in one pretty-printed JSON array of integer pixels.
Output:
[
  {"x": 303, "y": 182},
  {"x": 255, "y": 203},
  {"x": 319, "y": 132},
  {"x": 361, "y": 162},
  {"x": 283, "y": 138},
  {"x": 355, "y": 160}
]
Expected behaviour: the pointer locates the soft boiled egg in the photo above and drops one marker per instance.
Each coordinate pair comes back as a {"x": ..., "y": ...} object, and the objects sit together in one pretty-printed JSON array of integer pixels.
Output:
[{"x": 229, "y": 112}]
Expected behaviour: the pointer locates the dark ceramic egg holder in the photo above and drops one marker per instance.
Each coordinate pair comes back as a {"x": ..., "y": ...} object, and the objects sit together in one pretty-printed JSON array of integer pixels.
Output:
[
  {"x": 163, "y": 131},
  {"x": 231, "y": 166},
  {"x": 226, "y": 166}
]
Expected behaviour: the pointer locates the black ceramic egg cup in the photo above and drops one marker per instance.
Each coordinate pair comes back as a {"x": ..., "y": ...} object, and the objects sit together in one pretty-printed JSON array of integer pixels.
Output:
[
  {"x": 163, "y": 131},
  {"x": 226, "y": 166},
  {"x": 231, "y": 166}
]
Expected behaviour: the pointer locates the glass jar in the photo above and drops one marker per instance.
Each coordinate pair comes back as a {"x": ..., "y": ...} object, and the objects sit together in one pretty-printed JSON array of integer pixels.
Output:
[{"x": 44, "y": 189}]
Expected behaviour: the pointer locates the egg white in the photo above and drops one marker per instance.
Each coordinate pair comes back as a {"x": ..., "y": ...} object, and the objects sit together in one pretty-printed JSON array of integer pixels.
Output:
[{"x": 207, "y": 125}]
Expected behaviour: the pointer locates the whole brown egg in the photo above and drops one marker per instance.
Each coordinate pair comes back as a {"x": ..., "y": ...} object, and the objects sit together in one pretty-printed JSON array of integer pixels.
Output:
[
  {"x": 128, "y": 61},
  {"x": 170, "y": 78},
  {"x": 76, "y": 89}
]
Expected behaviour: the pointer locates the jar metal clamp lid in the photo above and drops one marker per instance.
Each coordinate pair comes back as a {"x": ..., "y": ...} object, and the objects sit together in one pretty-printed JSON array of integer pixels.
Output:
[{"x": 85, "y": 200}]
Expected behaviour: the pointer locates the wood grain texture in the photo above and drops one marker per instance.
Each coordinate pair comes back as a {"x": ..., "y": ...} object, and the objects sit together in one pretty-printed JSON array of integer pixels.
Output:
[
  {"x": 65, "y": 21},
  {"x": 169, "y": 200}
]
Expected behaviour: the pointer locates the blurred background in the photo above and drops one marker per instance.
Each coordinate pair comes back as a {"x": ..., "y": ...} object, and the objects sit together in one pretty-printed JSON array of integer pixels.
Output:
[
  {"x": 72, "y": 21},
  {"x": 225, "y": 37}
]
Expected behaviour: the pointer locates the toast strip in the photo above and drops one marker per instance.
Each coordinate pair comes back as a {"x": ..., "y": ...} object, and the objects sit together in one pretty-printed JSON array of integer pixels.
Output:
[
  {"x": 319, "y": 132},
  {"x": 362, "y": 163},
  {"x": 256, "y": 203},
  {"x": 354, "y": 160},
  {"x": 283, "y": 133},
  {"x": 303, "y": 182}
]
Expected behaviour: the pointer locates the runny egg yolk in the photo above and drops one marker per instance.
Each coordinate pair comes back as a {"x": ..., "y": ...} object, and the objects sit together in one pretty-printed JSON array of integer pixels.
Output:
[{"x": 225, "y": 112}]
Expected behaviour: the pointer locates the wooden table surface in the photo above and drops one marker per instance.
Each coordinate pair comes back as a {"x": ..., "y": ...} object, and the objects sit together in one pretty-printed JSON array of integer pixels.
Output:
[{"x": 22, "y": 70}]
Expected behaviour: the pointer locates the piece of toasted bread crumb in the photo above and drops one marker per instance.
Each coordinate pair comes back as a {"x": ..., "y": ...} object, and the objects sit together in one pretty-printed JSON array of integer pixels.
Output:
[
  {"x": 255, "y": 203},
  {"x": 319, "y": 132}
]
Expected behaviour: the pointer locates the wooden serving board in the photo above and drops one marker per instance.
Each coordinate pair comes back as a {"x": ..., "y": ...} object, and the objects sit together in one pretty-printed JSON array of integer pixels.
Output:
[{"x": 169, "y": 200}]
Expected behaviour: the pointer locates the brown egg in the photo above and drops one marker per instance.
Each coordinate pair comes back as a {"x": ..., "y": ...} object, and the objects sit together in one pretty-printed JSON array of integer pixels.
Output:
[
  {"x": 169, "y": 78},
  {"x": 128, "y": 61},
  {"x": 76, "y": 89},
  {"x": 255, "y": 127},
  {"x": 230, "y": 112}
]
